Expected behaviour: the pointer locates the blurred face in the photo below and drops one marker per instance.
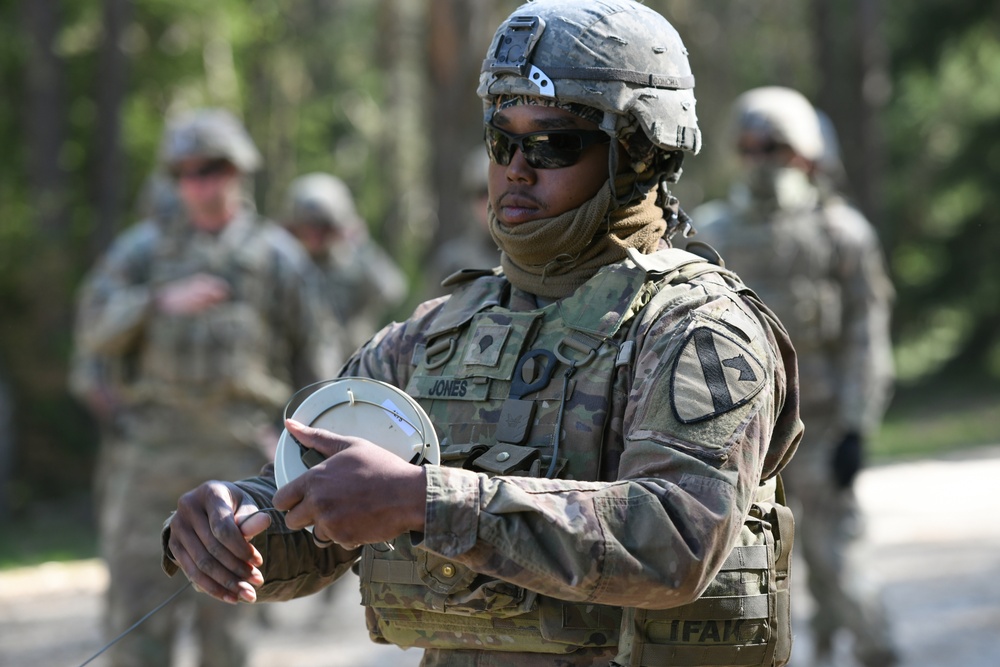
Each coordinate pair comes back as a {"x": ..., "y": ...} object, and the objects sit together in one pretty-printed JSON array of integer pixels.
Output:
[
  {"x": 759, "y": 150},
  {"x": 210, "y": 191},
  {"x": 315, "y": 236},
  {"x": 520, "y": 192}
]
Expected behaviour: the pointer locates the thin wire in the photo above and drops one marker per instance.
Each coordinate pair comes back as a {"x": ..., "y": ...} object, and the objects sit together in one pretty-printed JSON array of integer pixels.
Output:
[{"x": 137, "y": 623}]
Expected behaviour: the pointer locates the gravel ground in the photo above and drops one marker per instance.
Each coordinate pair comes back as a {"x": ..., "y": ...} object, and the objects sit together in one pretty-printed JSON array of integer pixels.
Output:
[{"x": 933, "y": 541}]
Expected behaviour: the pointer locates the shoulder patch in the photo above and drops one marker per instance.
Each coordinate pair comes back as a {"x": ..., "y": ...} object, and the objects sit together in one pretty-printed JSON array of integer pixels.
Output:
[{"x": 712, "y": 375}]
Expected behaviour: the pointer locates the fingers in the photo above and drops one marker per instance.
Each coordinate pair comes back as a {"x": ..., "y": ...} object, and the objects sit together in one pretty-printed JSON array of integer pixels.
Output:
[
  {"x": 211, "y": 548},
  {"x": 323, "y": 441}
]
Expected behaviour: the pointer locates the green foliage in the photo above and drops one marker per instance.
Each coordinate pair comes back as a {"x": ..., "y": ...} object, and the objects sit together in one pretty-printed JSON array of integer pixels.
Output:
[{"x": 946, "y": 158}]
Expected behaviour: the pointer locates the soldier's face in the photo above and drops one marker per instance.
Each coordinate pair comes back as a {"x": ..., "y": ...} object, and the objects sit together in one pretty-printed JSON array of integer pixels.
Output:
[
  {"x": 520, "y": 193},
  {"x": 209, "y": 190}
]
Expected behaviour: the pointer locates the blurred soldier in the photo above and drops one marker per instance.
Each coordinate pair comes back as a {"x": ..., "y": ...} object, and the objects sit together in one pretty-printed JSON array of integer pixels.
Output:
[
  {"x": 97, "y": 381},
  {"x": 360, "y": 280},
  {"x": 473, "y": 248},
  {"x": 216, "y": 314},
  {"x": 612, "y": 412},
  {"x": 817, "y": 261}
]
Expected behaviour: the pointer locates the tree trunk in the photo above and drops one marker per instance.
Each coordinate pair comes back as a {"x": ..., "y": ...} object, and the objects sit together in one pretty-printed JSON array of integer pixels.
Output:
[{"x": 112, "y": 82}]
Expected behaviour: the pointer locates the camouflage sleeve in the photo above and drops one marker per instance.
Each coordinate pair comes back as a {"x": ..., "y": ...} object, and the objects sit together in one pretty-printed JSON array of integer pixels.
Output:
[
  {"x": 294, "y": 566},
  {"x": 699, "y": 418},
  {"x": 114, "y": 302},
  {"x": 864, "y": 359},
  {"x": 318, "y": 341}
]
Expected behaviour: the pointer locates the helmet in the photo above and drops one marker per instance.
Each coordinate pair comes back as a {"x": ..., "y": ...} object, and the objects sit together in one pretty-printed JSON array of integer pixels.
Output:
[
  {"x": 322, "y": 198},
  {"x": 782, "y": 114},
  {"x": 211, "y": 134},
  {"x": 616, "y": 56}
]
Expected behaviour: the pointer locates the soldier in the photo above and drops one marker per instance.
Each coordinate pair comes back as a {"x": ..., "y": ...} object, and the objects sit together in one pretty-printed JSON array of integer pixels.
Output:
[
  {"x": 817, "y": 261},
  {"x": 216, "y": 314},
  {"x": 612, "y": 412},
  {"x": 361, "y": 281}
]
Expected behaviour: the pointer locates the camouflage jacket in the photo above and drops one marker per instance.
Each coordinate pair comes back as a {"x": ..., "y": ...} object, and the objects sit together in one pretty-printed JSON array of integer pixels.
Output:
[
  {"x": 820, "y": 268},
  {"x": 271, "y": 335},
  {"x": 704, "y": 408}
]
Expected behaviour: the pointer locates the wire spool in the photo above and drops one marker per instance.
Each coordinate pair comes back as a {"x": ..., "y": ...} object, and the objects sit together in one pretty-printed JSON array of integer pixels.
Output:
[{"x": 363, "y": 408}]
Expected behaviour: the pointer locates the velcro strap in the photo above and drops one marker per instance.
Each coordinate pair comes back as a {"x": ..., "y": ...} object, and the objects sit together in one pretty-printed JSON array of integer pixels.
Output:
[
  {"x": 650, "y": 79},
  {"x": 394, "y": 572},
  {"x": 660, "y": 654},
  {"x": 750, "y": 606},
  {"x": 747, "y": 558}
]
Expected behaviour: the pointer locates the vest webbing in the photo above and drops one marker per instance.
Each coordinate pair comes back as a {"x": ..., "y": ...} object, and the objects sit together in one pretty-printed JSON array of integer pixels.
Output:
[{"x": 417, "y": 598}]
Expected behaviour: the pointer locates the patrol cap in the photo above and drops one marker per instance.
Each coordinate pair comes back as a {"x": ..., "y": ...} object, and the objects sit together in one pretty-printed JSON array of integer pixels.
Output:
[
  {"x": 617, "y": 56},
  {"x": 783, "y": 115},
  {"x": 324, "y": 198},
  {"x": 209, "y": 134}
]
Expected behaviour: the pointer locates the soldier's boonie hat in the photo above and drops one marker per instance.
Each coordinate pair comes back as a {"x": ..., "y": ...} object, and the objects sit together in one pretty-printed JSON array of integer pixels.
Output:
[
  {"x": 783, "y": 115},
  {"x": 323, "y": 198},
  {"x": 616, "y": 56},
  {"x": 209, "y": 134}
]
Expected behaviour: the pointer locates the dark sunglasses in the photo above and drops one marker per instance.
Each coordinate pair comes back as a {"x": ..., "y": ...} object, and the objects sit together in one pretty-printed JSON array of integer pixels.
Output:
[
  {"x": 207, "y": 170},
  {"x": 549, "y": 149},
  {"x": 767, "y": 149}
]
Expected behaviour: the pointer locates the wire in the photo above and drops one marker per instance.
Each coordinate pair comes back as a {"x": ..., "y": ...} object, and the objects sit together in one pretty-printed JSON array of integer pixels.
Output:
[{"x": 137, "y": 624}]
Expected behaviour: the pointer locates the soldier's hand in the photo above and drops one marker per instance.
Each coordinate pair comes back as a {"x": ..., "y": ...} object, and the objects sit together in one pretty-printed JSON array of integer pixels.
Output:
[
  {"x": 209, "y": 540},
  {"x": 361, "y": 493},
  {"x": 847, "y": 460},
  {"x": 192, "y": 294}
]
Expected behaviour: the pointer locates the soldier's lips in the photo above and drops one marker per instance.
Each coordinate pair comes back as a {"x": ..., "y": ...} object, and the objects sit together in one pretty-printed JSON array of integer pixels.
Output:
[{"x": 516, "y": 209}]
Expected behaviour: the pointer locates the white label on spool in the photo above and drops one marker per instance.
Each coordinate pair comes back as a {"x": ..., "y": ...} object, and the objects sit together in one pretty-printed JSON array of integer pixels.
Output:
[{"x": 394, "y": 414}]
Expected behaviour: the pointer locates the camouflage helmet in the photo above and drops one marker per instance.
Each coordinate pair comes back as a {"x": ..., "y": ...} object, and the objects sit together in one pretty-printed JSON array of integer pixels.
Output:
[
  {"x": 783, "y": 115},
  {"x": 323, "y": 198},
  {"x": 210, "y": 134},
  {"x": 616, "y": 56}
]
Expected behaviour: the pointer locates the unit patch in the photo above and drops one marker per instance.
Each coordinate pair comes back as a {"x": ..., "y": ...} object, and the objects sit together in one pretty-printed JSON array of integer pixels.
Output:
[
  {"x": 712, "y": 375},
  {"x": 486, "y": 344}
]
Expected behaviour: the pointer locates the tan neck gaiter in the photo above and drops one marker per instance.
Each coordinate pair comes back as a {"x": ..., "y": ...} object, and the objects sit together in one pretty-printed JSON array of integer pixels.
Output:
[{"x": 551, "y": 258}]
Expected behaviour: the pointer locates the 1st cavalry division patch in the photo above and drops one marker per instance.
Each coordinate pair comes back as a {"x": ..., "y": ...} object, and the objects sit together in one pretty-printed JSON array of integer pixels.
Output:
[{"x": 713, "y": 374}]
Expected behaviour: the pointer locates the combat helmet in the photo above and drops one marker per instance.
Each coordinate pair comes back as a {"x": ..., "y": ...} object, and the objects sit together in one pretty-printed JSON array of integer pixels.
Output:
[
  {"x": 783, "y": 115},
  {"x": 616, "y": 56},
  {"x": 209, "y": 134},
  {"x": 323, "y": 198}
]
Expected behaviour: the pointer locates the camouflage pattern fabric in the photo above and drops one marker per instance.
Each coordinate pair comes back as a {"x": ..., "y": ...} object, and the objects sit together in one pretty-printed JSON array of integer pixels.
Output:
[
  {"x": 821, "y": 269},
  {"x": 662, "y": 466},
  {"x": 196, "y": 394},
  {"x": 363, "y": 284}
]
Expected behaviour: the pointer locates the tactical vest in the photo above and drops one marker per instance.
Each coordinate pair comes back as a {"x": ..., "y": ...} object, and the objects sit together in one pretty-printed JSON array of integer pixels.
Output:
[
  {"x": 533, "y": 393},
  {"x": 222, "y": 353}
]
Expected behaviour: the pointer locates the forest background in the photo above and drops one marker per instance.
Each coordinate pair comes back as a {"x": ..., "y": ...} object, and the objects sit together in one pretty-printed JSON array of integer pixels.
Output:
[{"x": 382, "y": 94}]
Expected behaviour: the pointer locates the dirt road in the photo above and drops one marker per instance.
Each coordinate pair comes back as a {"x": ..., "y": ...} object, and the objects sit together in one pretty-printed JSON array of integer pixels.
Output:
[{"x": 934, "y": 543}]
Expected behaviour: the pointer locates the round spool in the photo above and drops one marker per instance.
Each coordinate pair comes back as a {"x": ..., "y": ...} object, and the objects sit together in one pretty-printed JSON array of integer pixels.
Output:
[{"x": 363, "y": 408}]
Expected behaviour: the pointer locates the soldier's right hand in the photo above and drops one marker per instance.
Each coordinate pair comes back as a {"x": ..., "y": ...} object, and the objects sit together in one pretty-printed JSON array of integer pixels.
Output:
[
  {"x": 192, "y": 294},
  {"x": 209, "y": 540}
]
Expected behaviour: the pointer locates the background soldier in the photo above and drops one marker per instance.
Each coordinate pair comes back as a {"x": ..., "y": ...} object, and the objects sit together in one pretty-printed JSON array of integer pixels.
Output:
[
  {"x": 817, "y": 261},
  {"x": 360, "y": 280},
  {"x": 474, "y": 248},
  {"x": 615, "y": 411},
  {"x": 216, "y": 313}
]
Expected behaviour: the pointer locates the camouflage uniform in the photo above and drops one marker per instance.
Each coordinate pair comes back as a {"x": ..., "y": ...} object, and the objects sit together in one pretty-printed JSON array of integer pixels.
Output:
[
  {"x": 360, "y": 280},
  {"x": 199, "y": 392},
  {"x": 818, "y": 263},
  {"x": 609, "y": 452}
]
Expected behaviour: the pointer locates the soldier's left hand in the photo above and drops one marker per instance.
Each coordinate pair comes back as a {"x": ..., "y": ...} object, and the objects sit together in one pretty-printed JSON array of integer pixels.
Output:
[{"x": 360, "y": 494}]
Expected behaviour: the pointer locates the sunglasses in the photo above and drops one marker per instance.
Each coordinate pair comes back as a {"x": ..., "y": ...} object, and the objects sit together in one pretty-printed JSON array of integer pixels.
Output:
[
  {"x": 766, "y": 149},
  {"x": 209, "y": 169},
  {"x": 549, "y": 149}
]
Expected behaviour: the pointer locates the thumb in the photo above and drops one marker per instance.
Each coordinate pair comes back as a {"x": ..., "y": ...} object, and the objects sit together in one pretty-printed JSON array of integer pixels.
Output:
[
  {"x": 253, "y": 524},
  {"x": 321, "y": 440}
]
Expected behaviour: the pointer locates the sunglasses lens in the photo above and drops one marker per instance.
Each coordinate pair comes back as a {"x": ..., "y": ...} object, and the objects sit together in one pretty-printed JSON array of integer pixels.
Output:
[
  {"x": 552, "y": 151},
  {"x": 542, "y": 150}
]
